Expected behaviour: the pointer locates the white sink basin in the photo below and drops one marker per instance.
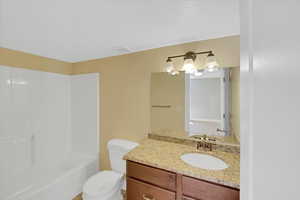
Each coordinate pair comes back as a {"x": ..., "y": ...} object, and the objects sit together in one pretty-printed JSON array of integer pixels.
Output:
[{"x": 204, "y": 161}]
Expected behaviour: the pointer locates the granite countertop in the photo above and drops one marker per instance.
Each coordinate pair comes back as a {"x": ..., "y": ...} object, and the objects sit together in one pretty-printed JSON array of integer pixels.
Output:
[{"x": 166, "y": 155}]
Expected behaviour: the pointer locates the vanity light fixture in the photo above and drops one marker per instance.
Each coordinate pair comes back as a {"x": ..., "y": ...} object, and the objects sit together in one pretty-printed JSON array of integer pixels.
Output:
[
  {"x": 211, "y": 62},
  {"x": 189, "y": 63},
  {"x": 169, "y": 66}
]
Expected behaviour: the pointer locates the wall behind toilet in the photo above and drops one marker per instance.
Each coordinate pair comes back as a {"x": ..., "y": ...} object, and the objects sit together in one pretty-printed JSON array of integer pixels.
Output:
[{"x": 125, "y": 86}]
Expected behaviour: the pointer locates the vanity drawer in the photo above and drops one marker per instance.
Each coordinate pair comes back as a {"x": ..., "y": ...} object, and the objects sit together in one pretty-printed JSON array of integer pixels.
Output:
[
  {"x": 137, "y": 190},
  {"x": 158, "y": 177},
  {"x": 203, "y": 190}
]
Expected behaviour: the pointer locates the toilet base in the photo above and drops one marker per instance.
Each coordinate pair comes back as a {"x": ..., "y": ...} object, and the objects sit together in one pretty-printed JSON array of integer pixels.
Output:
[{"x": 115, "y": 196}]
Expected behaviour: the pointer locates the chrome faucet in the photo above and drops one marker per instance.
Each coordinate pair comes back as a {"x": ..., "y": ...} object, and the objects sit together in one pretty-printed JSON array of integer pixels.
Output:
[{"x": 204, "y": 142}]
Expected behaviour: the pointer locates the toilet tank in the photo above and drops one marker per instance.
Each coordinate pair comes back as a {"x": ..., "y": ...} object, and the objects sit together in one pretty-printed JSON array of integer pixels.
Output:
[{"x": 117, "y": 148}]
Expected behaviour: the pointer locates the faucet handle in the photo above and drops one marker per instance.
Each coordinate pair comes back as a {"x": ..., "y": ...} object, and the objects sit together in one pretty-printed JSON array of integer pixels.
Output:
[
  {"x": 212, "y": 139},
  {"x": 200, "y": 144}
]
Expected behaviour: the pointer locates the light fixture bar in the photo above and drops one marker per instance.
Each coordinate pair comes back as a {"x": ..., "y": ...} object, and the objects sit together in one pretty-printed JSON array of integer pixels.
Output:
[
  {"x": 170, "y": 57},
  {"x": 204, "y": 52},
  {"x": 197, "y": 53}
]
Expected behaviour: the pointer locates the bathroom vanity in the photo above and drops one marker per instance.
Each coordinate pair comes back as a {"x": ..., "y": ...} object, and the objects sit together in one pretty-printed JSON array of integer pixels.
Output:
[
  {"x": 192, "y": 152},
  {"x": 155, "y": 171}
]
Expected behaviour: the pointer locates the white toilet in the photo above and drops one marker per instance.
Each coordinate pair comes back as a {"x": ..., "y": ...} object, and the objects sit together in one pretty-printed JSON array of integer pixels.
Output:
[{"x": 106, "y": 185}]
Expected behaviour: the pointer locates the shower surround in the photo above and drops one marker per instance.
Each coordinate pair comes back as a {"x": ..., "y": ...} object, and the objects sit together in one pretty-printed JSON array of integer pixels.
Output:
[{"x": 44, "y": 152}]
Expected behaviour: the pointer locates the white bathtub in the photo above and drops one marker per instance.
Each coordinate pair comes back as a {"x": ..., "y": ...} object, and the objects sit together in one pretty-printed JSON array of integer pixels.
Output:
[{"x": 61, "y": 182}]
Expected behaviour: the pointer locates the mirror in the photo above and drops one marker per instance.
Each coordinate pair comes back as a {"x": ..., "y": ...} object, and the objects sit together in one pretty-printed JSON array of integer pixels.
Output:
[{"x": 188, "y": 106}]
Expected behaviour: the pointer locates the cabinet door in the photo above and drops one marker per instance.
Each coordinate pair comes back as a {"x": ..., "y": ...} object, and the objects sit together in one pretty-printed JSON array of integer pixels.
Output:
[
  {"x": 203, "y": 190},
  {"x": 137, "y": 190}
]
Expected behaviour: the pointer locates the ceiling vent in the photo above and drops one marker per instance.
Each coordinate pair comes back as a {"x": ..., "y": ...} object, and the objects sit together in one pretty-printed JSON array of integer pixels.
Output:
[{"x": 121, "y": 50}]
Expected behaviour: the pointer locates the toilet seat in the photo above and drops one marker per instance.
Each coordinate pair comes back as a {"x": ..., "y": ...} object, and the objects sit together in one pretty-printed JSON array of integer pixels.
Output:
[{"x": 102, "y": 184}]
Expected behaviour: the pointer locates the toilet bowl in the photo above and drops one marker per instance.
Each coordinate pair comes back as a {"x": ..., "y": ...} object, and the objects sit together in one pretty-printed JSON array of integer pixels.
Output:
[{"x": 107, "y": 185}]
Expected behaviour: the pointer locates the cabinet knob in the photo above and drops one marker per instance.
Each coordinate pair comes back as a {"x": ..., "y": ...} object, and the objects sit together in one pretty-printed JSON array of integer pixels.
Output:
[{"x": 148, "y": 197}]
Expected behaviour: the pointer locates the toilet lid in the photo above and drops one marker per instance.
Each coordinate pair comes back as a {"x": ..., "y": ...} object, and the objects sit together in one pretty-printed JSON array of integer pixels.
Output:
[{"x": 102, "y": 183}]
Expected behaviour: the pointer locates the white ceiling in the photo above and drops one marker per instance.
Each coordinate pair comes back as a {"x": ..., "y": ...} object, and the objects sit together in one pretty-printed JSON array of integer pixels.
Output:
[{"x": 76, "y": 30}]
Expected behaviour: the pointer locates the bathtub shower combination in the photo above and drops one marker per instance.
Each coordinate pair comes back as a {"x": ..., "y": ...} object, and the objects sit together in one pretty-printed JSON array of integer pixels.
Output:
[{"x": 48, "y": 134}]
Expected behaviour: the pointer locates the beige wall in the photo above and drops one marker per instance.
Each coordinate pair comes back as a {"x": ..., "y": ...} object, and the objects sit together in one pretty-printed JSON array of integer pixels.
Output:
[
  {"x": 24, "y": 60},
  {"x": 125, "y": 86}
]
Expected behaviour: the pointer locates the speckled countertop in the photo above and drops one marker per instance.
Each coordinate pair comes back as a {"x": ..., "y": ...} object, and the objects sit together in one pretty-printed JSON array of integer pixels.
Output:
[{"x": 166, "y": 155}]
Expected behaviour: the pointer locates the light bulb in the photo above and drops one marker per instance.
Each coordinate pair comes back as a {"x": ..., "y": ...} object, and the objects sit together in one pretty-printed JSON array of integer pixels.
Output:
[
  {"x": 169, "y": 66},
  {"x": 212, "y": 69},
  {"x": 211, "y": 61},
  {"x": 174, "y": 72},
  {"x": 199, "y": 72},
  {"x": 188, "y": 66}
]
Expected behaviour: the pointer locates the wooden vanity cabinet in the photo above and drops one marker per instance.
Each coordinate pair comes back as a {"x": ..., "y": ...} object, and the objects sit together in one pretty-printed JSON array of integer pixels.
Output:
[{"x": 149, "y": 183}]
